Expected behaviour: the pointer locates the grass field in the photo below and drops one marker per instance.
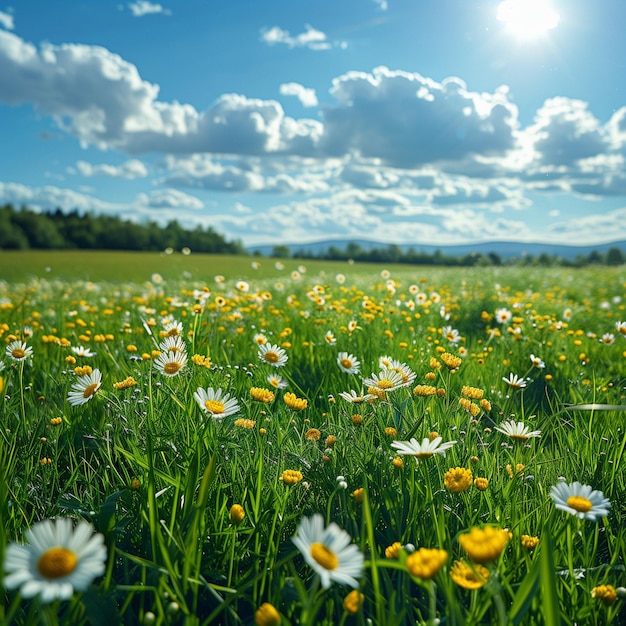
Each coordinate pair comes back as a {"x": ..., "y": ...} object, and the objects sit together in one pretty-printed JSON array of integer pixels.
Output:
[{"x": 219, "y": 443}]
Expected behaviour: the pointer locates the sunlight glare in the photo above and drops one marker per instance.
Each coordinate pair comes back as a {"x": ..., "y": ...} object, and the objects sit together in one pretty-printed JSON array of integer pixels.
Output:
[{"x": 527, "y": 19}]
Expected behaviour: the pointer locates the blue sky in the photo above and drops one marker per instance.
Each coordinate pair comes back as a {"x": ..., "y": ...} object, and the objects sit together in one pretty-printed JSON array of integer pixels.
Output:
[{"x": 284, "y": 121}]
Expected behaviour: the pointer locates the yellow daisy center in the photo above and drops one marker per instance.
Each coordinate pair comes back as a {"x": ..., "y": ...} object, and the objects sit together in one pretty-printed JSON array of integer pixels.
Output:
[
  {"x": 423, "y": 455},
  {"x": 90, "y": 390},
  {"x": 172, "y": 332},
  {"x": 384, "y": 384},
  {"x": 57, "y": 562},
  {"x": 324, "y": 556},
  {"x": 271, "y": 357},
  {"x": 518, "y": 436},
  {"x": 214, "y": 406},
  {"x": 580, "y": 504},
  {"x": 347, "y": 363},
  {"x": 172, "y": 367},
  {"x": 18, "y": 353}
]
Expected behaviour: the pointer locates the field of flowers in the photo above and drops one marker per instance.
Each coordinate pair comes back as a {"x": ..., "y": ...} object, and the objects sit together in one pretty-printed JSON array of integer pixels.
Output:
[{"x": 371, "y": 447}]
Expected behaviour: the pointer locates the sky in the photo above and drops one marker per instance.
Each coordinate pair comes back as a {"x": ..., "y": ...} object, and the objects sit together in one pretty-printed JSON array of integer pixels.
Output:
[{"x": 290, "y": 121}]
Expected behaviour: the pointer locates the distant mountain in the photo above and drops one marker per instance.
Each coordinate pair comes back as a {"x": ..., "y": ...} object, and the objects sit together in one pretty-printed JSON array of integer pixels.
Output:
[{"x": 504, "y": 249}]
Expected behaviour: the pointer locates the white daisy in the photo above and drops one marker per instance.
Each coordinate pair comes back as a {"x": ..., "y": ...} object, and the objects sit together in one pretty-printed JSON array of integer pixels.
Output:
[
  {"x": 329, "y": 338},
  {"x": 514, "y": 381},
  {"x": 82, "y": 351},
  {"x": 278, "y": 382},
  {"x": 408, "y": 375},
  {"x": 580, "y": 500},
  {"x": 173, "y": 328},
  {"x": 173, "y": 343},
  {"x": 356, "y": 398},
  {"x": 348, "y": 363},
  {"x": 422, "y": 450},
  {"x": 621, "y": 328},
  {"x": 85, "y": 388},
  {"x": 56, "y": 560},
  {"x": 537, "y": 362},
  {"x": 517, "y": 430},
  {"x": 451, "y": 334},
  {"x": 329, "y": 551},
  {"x": 385, "y": 380},
  {"x": 18, "y": 350},
  {"x": 171, "y": 363},
  {"x": 503, "y": 316},
  {"x": 215, "y": 402},
  {"x": 607, "y": 338},
  {"x": 272, "y": 355}
]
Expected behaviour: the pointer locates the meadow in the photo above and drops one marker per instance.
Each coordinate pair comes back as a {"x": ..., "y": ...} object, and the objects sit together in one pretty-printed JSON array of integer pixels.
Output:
[{"x": 227, "y": 440}]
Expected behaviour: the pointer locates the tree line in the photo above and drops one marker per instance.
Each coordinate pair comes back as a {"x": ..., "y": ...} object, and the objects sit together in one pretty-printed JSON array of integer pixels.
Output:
[{"x": 25, "y": 229}]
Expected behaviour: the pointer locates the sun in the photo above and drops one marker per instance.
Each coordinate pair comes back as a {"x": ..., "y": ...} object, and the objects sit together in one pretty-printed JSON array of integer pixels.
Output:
[{"x": 527, "y": 19}]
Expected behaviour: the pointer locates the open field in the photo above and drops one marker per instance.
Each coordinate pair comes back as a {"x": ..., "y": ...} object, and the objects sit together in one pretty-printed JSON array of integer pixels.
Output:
[{"x": 344, "y": 445}]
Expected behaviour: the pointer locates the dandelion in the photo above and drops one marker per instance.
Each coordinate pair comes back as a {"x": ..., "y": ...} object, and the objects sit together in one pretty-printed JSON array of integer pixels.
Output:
[
  {"x": 605, "y": 593},
  {"x": 171, "y": 363},
  {"x": 291, "y": 477},
  {"x": 129, "y": 381},
  {"x": 528, "y": 542},
  {"x": 517, "y": 430},
  {"x": 18, "y": 350},
  {"x": 580, "y": 500},
  {"x": 261, "y": 395},
  {"x": 348, "y": 363},
  {"x": 472, "y": 392},
  {"x": 458, "y": 479},
  {"x": 353, "y": 601},
  {"x": 514, "y": 381},
  {"x": 313, "y": 434},
  {"x": 237, "y": 514},
  {"x": 469, "y": 576},
  {"x": 295, "y": 403},
  {"x": 356, "y": 398},
  {"x": 56, "y": 561},
  {"x": 267, "y": 615},
  {"x": 451, "y": 361},
  {"x": 272, "y": 355},
  {"x": 484, "y": 545},
  {"x": 85, "y": 388},
  {"x": 426, "y": 562},
  {"x": 82, "y": 351},
  {"x": 329, "y": 551},
  {"x": 216, "y": 403},
  {"x": 422, "y": 450},
  {"x": 245, "y": 423}
]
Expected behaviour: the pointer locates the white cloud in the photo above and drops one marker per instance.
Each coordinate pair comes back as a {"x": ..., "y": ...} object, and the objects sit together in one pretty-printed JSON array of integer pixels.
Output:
[
  {"x": 169, "y": 199},
  {"x": 129, "y": 170},
  {"x": 307, "y": 97},
  {"x": 311, "y": 38},
  {"x": 143, "y": 7},
  {"x": 383, "y": 5},
  {"x": 6, "y": 21},
  {"x": 605, "y": 227}
]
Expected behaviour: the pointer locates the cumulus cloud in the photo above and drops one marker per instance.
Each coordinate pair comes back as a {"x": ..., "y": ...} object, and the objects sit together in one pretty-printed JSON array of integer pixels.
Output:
[
  {"x": 608, "y": 226},
  {"x": 169, "y": 199},
  {"x": 307, "y": 97},
  {"x": 143, "y": 7},
  {"x": 130, "y": 169},
  {"x": 311, "y": 38},
  {"x": 6, "y": 21},
  {"x": 407, "y": 120}
]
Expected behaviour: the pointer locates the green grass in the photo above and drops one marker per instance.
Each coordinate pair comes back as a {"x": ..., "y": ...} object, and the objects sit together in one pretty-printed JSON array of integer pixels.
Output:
[{"x": 157, "y": 476}]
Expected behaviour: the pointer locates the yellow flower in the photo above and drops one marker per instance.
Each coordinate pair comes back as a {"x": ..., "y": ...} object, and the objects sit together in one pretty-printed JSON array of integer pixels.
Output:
[
  {"x": 530, "y": 543},
  {"x": 469, "y": 576},
  {"x": 267, "y": 615},
  {"x": 129, "y": 381},
  {"x": 295, "y": 403},
  {"x": 472, "y": 392},
  {"x": 357, "y": 494},
  {"x": 604, "y": 593},
  {"x": 261, "y": 395},
  {"x": 481, "y": 483},
  {"x": 398, "y": 462},
  {"x": 425, "y": 390},
  {"x": 245, "y": 423},
  {"x": 353, "y": 601},
  {"x": 392, "y": 551},
  {"x": 201, "y": 360},
  {"x": 291, "y": 477},
  {"x": 313, "y": 434},
  {"x": 237, "y": 514},
  {"x": 451, "y": 361},
  {"x": 484, "y": 545},
  {"x": 85, "y": 370},
  {"x": 458, "y": 479},
  {"x": 426, "y": 562},
  {"x": 391, "y": 431}
]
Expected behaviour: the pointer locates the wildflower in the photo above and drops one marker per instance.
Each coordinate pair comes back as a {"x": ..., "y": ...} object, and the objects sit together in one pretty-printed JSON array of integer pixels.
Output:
[
  {"x": 83, "y": 352},
  {"x": 83, "y": 371},
  {"x": 621, "y": 328},
  {"x": 295, "y": 403},
  {"x": 261, "y": 395},
  {"x": 481, "y": 483},
  {"x": 422, "y": 450},
  {"x": 426, "y": 562},
  {"x": 353, "y": 601},
  {"x": 398, "y": 463},
  {"x": 313, "y": 434},
  {"x": 458, "y": 479},
  {"x": 607, "y": 338},
  {"x": 472, "y": 392},
  {"x": 85, "y": 388},
  {"x": 503, "y": 316},
  {"x": 358, "y": 494},
  {"x": 237, "y": 514},
  {"x": 357, "y": 418},
  {"x": 604, "y": 593},
  {"x": 245, "y": 423},
  {"x": 393, "y": 551},
  {"x": 385, "y": 380},
  {"x": 517, "y": 430},
  {"x": 56, "y": 421},
  {"x": 580, "y": 500},
  {"x": 216, "y": 403},
  {"x": 484, "y": 545},
  {"x": 56, "y": 560},
  {"x": 329, "y": 338},
  {"x": 425, "y": 390},
  {"x": 537, "y": 362},
  {"x": 408, "y": 375},
  {"x": 291, "y": 477},
  {"x": 260, "y": 339},
  {"x": 272, "y": 355},
  {"x": 469, "y": 576},
  {"x": 355, "y": 398},
  {"x": 171, "y": 363},
  {"x": 514, "y": 381},
  {"x": 129, "y": 381},
  {"x": 353, "y": 325},
  {"x": 171, "y": 329},
  {"x": 519, "y": 468},
  {"x": 451, "y": 361},
  {"x": 329, "y": 551},
  {"x": 530, "y": 543},
  {"x": 451, "y": 334},
  {"x": 276, "y": 381},
  {"x": 390, "y": 431},
  {"x": 242, "y": 286},
  {"x": 173, "y": 343},
  {"x": 267, "y": 615},
  {"x": 18, "y": 350},
  {"x": 201, "y": 361},
  {"x": 348, "y": 363}
]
